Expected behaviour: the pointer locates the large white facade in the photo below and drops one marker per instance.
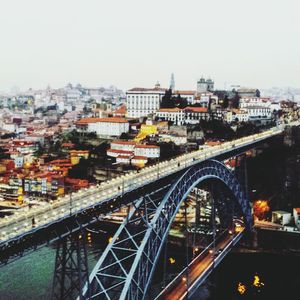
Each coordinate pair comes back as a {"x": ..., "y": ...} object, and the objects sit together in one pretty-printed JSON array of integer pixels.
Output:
[
  {"x": 175, "y": 115},
  {"x": 255, "y": 101},
  {"x": 259, "y": 113},
  {"x": 104, "y": 126},
  {"x": 141, "y": 102}
]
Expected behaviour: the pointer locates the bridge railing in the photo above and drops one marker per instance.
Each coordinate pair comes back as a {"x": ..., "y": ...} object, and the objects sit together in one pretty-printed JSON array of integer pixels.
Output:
[
  {"x": 184, "y": 271},
  {"x": 20, "y": 222}
]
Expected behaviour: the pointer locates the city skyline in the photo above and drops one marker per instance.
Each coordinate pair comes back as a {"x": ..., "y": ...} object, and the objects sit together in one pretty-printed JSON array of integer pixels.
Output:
[{"x": 136, "y": 44}]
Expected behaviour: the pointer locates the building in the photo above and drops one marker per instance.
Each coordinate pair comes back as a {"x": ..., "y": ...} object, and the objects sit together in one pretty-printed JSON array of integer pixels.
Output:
[
  {"x": 149, "y": 151},
  {"x": 188, "y": 95},
  {"x": 175, "y": 115},
  {"x": 108, "y": 127},
  {"x": 296, "y": 214},
  {"x": 194, "y": 114},
  {"x": 239, "y": 115},
  {"x": 259, "y": 113},
  {"x": 141, "y": 102},
  {"x": 255, "y": 101},
  {"x": 204, "y": 85},
  {"x": 123, "y": 145},
  {"x": 248, "y": 92},
  {"x": 281, "y": 217}
]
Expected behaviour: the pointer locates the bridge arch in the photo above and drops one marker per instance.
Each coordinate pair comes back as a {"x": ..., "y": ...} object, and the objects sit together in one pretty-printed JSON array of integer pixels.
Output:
[{"x": 125, "y": 268}]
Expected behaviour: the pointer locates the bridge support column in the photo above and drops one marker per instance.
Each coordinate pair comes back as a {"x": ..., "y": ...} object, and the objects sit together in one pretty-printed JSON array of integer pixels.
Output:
[{"x": 71, "y": 268}]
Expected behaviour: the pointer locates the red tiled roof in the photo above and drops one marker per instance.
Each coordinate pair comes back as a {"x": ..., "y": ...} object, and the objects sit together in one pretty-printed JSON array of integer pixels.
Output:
[
  {"x": 138, "y": 89},
  {"x": 101, "y": 120},
  {"x": 297, "y": 209},
  {"x": 175, "y": 109},
  {"x": 197, "y": 109},
  {"x": 147, "y": 146},
  {"x": 119, "y": 151},
  {"x": 123, "y": 142},
  {"x": 140, "y": 157},
  {"x": 185, "y": 92},
  {"x": 121, "y": 110}
]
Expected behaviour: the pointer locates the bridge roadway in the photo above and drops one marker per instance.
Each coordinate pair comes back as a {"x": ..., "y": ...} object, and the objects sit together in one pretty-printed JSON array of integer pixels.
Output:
[
  {"x": 199, "y": 268},
  {"x": 20, "y": 223}
]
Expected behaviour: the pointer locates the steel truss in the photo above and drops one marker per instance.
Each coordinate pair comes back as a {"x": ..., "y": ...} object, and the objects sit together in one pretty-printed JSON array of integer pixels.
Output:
[
  {"x": 126, "y": 267},
  {"x": 71, "y": 268}
]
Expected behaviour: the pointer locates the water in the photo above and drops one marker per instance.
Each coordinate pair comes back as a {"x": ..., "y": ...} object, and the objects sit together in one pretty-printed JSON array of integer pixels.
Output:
[{"x": 274, "y": 175}]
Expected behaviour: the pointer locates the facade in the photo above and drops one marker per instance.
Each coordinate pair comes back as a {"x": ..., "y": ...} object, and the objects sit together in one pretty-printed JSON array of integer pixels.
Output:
[
  {"x": 239, "y": 115},
  {"x": 194, "y": 114},
  {"x": 257, "y": 113},
  {"x": 149, "y": 151},
  {"x": 255, "y": 101},
  {"x": 131, "y": 149},
  {"x": 176, "y": 115},
  {"x": 246, "y": 92},
  {"x": 281, "y": 217},
  {"x": 204, "y": 85},
  {"x": 103, "y": 126},
  {"x": 296, "y": 214},
  {"x": 141, "y": 102},
  {"x": 188, "y": 95}
]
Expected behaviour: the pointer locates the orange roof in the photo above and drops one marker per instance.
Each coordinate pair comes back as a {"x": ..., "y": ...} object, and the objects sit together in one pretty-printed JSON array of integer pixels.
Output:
[
  {"x": 85, "y": 121},
  {"x": 197, "y": 109},
  {"x": 297, "y": 209},
  {"x": 123, "y": 142},
  {"x": 121, "y": 110},
  {"x": 147, "y": 146},
  {"x": 185, "y": 92},
  {"x": 175, "y": 109},
  {"x": 140, "y": 157},
  {"x": 156, "y": 89},
  {"x": 123, "y": 156},
  {"x": 119, "y": 151}
]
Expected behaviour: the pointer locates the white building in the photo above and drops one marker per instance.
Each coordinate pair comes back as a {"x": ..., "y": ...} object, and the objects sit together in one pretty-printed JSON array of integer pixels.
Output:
[
  {"x": 103, "y": 126},
  {"x": 141, "y": 102},
  {"x": 281, "y": 217},
  {"x": 296, "y": 214},
  {"x": 259, "y": 113},
  {"x": 188, "y": 95},
  {"x": 176, "y": 115},
  {"x": 255, "y": 101},
  {"x": 237, "y": 115},
  {"x": 123, "y": 145},
  {"x": 149, "y": 151},
  {"x": 204, "y": 86},
  {"x": 194, "y": 114}
]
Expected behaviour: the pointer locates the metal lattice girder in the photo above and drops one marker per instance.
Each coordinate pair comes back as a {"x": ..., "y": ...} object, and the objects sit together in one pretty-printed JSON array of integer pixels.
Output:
[
  {"x": 125, "y": 268},
  {"x": 71, "y": 268}
]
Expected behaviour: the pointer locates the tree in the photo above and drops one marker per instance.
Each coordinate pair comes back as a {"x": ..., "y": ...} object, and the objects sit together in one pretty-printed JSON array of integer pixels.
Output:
[{"x": 167, "y": 100}]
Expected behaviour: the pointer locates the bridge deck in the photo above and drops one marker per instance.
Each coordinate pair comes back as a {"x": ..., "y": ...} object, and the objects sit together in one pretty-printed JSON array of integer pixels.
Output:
[
  {"x": 20, "y": 224},
  {"x": 199, "y": 269}
]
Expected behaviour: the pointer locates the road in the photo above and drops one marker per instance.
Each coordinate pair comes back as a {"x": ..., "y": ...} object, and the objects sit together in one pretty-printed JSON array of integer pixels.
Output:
[
  {"x": 20, "y": 222},
  {"x": 197, "y": 269}
]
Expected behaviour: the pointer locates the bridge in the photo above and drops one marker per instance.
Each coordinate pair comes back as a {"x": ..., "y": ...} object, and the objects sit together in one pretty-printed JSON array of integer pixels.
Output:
[{"x": 149, "y": 191}]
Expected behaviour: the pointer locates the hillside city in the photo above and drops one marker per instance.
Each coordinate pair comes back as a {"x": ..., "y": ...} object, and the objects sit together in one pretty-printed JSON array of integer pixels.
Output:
[{"x": 57, "y": 141}]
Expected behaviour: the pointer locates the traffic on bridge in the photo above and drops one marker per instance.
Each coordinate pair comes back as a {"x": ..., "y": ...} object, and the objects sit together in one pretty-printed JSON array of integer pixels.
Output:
[{"x": 28, "y": 220}]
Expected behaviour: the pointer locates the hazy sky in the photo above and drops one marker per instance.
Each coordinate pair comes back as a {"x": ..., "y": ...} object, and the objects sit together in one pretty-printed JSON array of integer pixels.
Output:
[{"x": 137, "y": 42}]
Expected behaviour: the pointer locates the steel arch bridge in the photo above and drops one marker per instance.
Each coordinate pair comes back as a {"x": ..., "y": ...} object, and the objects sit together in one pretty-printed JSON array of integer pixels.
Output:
[{"x": 126, "y": 267}]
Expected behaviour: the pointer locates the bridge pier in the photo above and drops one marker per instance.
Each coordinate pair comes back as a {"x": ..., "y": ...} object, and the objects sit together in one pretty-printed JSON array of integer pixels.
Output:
[{"x": 71, "y": 268}]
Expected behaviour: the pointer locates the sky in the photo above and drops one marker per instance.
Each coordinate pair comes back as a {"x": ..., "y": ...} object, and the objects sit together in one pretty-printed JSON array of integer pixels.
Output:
[{"x": 131, "y": 43}]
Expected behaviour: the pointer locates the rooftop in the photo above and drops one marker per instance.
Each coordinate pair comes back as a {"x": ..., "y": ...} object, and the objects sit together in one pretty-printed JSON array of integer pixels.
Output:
[{"x": 85, "y": 121}]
